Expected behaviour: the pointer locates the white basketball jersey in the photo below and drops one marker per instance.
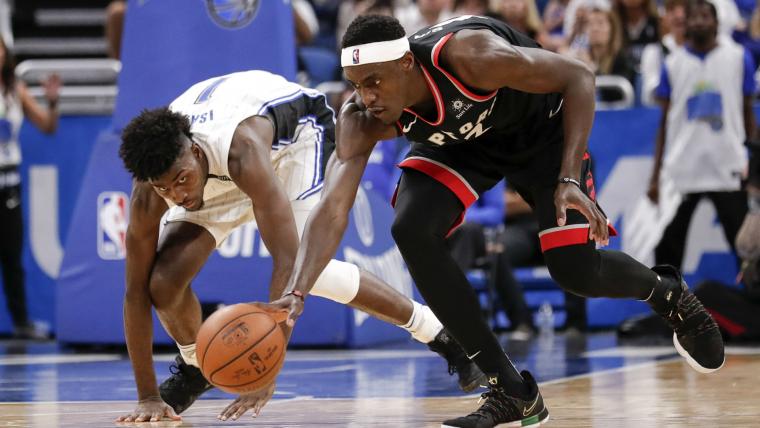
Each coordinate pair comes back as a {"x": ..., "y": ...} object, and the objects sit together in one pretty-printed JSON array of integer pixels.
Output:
[{"x": 216, "y": 107}]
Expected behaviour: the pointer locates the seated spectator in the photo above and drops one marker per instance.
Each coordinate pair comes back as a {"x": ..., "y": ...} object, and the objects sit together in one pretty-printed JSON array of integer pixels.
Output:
[
  {"x": 603, "y": 54},
  {"x": 522, "y": 15},
  {"x": 470, "y": 7},
  {"x": 553, "y": 22},
  {"x": 114, "y": 26},
  {"x": 349, "y": 10},
  {"x": 639, "y": 19},
  {"x": 749, "y": 37},
  {"x": 674, "y": 25},
  {"x": 423, "y": 13}
]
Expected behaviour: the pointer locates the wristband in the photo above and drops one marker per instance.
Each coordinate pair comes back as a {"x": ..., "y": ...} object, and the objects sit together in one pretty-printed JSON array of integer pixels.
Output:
[
  {"x": 295, "y": 293},
  {"x": 566, "y": 180}
]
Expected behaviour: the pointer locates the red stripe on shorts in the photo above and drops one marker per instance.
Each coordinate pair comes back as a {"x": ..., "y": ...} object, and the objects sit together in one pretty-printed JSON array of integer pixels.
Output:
[
  {"x": 445, "y": 176},
  {"x": 574, "y": 234}
]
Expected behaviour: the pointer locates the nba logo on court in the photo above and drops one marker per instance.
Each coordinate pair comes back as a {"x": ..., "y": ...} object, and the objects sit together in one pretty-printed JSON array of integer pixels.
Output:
[
  {"x": 356, "y": 56},
  {"x": 112, "y": 225}
]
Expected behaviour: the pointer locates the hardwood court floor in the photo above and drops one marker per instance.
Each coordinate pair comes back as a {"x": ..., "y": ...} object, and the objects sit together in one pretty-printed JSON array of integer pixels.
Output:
[{"x": 651, "y": 394}]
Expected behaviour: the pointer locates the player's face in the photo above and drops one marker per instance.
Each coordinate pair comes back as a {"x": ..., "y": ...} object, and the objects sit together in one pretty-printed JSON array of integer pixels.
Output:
[
  {"x": 381, "y": 87},
  {"x": 701, "y": 25},
  {"x": 183, "y": 183}
]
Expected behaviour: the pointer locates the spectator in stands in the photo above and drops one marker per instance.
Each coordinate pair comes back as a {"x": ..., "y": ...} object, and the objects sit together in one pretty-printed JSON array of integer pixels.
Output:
[
  {"x": 705, "y": 90},
  {"x": 522, "y": 15},
  {"x": 674, "y": 28},
  {"x": 114, "y": 27},
  {"x": 470, "y": 7},
  {"x": 349, "y": 10},
  {"x": 734, "y": 309},
  {"x": 16, "y": 103},
  {"x": 423, "y": 13},
  {"x": 749, "y": 37},
  {"x": 305, "y": 22},
  {"x": 553, "y": 22},
  {"x": 640, "y": 26},
  {"x": 604, "y": 52},
  {"x": 574, "y": 23}
]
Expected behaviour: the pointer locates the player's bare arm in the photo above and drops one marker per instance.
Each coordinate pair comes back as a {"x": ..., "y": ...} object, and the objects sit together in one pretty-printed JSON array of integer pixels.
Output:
[
  {"x": 653, "y": 192},
  {"x": 534, "y": 70},
  {"x": 250, "y": 167},
  {"x": 145, "y": 211},
  {"x": 357, "y": 132}
]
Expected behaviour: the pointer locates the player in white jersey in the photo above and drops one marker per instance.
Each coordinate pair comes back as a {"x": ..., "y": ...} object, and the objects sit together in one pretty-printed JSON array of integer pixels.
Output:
[{"x": 233, "y": 149}]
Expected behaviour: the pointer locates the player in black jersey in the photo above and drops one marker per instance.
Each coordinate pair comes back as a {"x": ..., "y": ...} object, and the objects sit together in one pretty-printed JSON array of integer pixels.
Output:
[{"x": 482, "y": 102}]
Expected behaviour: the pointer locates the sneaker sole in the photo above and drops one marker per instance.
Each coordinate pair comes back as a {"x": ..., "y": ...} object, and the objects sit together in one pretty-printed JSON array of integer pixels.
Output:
[
  {"x": 533, "y": 421},
  {"x": 692, "y": 362}
]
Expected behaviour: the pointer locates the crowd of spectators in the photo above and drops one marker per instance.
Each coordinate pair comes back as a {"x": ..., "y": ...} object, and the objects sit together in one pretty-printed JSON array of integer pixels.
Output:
[{"x": 626, "y": 38}]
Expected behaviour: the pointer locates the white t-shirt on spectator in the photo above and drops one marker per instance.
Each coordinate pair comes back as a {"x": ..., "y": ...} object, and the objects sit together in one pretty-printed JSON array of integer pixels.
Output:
[
  {"x": 412, "y": 20},
  {"x": 704, "y": 142},
  {"x": 651, "y": 67}
]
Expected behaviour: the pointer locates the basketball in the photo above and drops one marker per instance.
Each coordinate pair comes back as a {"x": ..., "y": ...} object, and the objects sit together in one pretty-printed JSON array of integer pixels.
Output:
[{"x": 240, "y": 348}]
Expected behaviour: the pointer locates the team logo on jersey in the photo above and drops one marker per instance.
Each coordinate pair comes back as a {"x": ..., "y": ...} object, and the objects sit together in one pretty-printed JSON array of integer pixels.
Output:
[
  {"x": 460, "y": 107},
  {"x": 355, "y": 56},
  {"x": 233, "y": 14},
  {"x": 112, "y": 225}
]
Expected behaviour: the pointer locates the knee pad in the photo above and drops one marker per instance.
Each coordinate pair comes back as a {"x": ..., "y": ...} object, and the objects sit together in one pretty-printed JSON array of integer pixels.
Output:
[{"x": 339, "y": 282}]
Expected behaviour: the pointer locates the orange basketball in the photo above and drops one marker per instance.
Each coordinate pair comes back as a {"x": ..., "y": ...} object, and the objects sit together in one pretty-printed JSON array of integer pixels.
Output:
[{"x": 240, "y": 348}]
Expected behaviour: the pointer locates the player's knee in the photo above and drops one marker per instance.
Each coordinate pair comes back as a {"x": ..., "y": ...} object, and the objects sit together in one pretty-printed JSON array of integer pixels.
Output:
[
  {"x": 573, "y": 269},
  {"x": 165, "y": 291}
]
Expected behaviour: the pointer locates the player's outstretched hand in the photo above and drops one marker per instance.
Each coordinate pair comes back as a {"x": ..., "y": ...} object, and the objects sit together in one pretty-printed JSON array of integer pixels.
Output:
[
  {"x": 285, "y": 309},
  {"x": 569, "y": 196},
  {"x": 151, "y": 409},
  {"x": 253, "y": 400}
]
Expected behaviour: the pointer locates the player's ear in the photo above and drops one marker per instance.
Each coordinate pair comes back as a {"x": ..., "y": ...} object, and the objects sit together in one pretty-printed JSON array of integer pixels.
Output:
[{"x": 407, "y": 61}]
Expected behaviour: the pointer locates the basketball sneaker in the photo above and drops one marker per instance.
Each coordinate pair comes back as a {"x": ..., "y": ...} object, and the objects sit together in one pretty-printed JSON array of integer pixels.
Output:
[
  {"x": 696, "y": 335},
  {"x": 470, "y": 376},
  {"x": 184, "y": 386},
  {"x": 500, "y": 409}
]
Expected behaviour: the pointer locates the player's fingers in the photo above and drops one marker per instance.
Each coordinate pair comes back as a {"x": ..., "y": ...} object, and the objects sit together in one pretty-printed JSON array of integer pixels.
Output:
[
  {"x": 561, "y": 216},
  {"x": 142, "y": 418},
  {"x": 169, "y": 413},
  {"x": 239, "y": 412},
  {"x": 279, "y": 315},
  {"x": 600, "y": 225},
  {"x": 228, "y": 411}
]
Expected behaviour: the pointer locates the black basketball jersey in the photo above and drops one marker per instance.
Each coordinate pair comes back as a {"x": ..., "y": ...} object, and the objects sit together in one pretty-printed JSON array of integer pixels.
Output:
[{"x": 520, "y": 119}]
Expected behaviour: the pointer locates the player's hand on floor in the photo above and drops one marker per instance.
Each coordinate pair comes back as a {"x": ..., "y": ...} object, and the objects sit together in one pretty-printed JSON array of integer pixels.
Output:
[
  {"x": 254, "y": 400},
  {"x": 150, "y": 410},
  {"x": 285, "y": 309},
  {"x": 569, "y": 196}
]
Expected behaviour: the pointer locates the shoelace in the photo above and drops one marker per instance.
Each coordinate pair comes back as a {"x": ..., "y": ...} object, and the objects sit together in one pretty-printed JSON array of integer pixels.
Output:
[
  {"x": 496, "y": 404},
  {"x": 688, "y": 306}
]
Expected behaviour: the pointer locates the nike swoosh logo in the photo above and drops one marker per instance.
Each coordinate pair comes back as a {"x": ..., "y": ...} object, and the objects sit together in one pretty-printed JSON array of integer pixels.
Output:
[
  {"x": 527, "y": 410},
  {"x": 406, "y": 128},
  {"x": 553, "y": 113},
  {"x": 473, "y": 355}
]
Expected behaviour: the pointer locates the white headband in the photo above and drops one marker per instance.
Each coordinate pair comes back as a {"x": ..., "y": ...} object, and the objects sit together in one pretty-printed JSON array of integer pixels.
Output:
[{"x": 369, "y": 53}]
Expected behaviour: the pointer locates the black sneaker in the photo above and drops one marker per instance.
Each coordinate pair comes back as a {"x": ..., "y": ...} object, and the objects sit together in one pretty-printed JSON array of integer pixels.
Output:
[
  {"x": 499, "y": 409},
  {"x": 696, "y": 336},
  {"x": 470, "y": 376},
  {"x": 184, "y": 386}
]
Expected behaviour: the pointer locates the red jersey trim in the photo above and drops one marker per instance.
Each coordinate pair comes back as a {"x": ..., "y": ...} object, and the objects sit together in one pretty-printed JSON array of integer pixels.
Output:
[
  {"x": 436, "y": 95},
  {"x": 466, "y": 92}
]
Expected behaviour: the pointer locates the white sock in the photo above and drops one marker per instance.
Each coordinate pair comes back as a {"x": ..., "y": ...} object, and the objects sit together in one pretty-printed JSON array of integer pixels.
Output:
[
  {"x": 188, "y": 354},
  {"x": 423, "y": 325}
]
